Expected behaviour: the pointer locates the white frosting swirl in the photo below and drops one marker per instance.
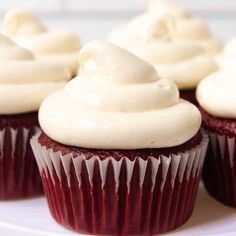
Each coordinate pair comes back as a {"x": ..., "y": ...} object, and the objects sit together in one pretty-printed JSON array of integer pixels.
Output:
[
  {"x": 19, "y": 22},
  {"x": 154, "y": 39},
  {"x": 25, "y": 82},
  {"x": 196, "y": 30},
  {"x": 216, "y": 94},
  {"x": 118, "y": 102},
  {"x": 30, "y": 33},
  {"x": 188, "y": 28}
]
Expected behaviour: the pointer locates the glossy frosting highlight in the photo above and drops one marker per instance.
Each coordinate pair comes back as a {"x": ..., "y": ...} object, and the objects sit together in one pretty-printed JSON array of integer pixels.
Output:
[
  {"x": 25, "y": 82},
  {"x": 118, "y": 102}
]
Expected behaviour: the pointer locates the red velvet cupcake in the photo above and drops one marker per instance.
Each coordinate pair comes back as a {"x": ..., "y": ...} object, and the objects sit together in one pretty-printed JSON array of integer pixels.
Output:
[
  {"x": 216, "y": 95},
  {"x": 23, "y": 85},
  {"x": 111, "y": 157}
]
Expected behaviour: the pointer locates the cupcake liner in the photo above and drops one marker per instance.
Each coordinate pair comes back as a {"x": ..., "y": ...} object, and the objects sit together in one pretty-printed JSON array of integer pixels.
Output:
[
  {"x": 19, "y": 176},
  {"x": 107, "y": 196},
  {"x": 219, "y": 172}
]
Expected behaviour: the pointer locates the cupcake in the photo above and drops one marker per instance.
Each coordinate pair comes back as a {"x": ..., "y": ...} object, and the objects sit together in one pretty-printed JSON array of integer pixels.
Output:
[
  {"x": 24, "y": 83},
  {"x": 57, "y": 46},
  {"x": 188, "y": 27},
  {"x": 112, "y": 158},
  {"x": 216, "y": 96},
  {"x": 154, "y": 39}
]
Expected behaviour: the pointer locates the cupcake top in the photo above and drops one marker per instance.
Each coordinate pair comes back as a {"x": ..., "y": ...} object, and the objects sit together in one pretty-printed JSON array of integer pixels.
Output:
[
  {"x": 216, "y": 94},
  {"x": 60, "y": 46},
  {"x": 118, "y": 102},
  {"x": 188, "y": 28},
  {"x": 25, "y": 82},
  {"x": 155, "y": 40}
]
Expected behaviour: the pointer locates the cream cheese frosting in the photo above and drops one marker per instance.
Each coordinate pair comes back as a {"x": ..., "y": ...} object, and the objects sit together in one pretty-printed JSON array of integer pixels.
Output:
[
  {"x": 216, "y": 94},
  {"x": 155, "y": 41},
  {"x": 25, "y": 82},
  {"x": 196, "y": 30},
  {"x": 118, "y": 102},
  {"x": 188, "y": 28},
  {"x": 60, "y": 46},
  {"x": 9, "y": 50}
]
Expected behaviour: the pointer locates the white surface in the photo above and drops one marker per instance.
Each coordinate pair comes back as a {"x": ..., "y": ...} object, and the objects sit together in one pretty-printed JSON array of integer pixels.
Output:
[{"x": 31, "y": 218}]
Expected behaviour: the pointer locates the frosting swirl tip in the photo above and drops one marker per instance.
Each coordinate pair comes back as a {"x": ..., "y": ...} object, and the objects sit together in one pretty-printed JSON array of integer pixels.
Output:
[
  {"x": 111, "y": 64},
  {"x": 21, "y": 22}
]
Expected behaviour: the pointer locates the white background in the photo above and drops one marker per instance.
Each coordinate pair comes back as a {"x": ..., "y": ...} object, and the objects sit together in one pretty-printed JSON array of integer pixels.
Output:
[{"x": 95, "y": 18}]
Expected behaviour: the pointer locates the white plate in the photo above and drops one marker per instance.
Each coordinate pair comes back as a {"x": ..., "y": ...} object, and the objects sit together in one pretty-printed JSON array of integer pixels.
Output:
[{"x": 32, "y": 218}]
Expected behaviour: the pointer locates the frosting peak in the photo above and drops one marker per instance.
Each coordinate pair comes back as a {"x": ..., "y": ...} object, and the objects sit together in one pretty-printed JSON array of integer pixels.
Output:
[
  {"x": 181, "y": 26},
  {"x": 118, "y": 102},
  {"x": 20, "y": 22},
  {"x": 58, "y": 46},
  {"x": 105, "y": 61}
]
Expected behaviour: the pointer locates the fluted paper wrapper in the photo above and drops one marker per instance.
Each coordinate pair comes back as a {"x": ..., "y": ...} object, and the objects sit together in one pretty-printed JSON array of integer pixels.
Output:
[
  {"x": 106, "y": 196},
  {"x": 19, "y": 176},
  {"x": 219, "y": 172}
]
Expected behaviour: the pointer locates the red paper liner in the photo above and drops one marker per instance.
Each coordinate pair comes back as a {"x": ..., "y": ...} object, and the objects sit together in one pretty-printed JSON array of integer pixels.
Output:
[
  {"x": 219, "y": 172},
  {"x": 19, "y": 175},
  {"x": 120, "y": 197}
]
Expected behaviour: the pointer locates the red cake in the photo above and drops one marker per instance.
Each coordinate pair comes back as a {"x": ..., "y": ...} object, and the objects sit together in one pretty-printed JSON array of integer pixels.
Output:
[
  {"x": 19, "y": 176},
  {"x": 189, "y": 95}
]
